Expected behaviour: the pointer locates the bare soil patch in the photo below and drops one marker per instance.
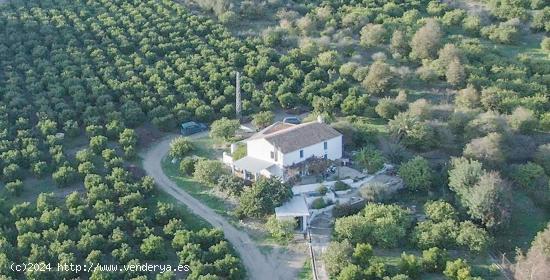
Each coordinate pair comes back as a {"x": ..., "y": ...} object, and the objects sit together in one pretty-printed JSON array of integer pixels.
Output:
[{"x": 147, "y": 134}]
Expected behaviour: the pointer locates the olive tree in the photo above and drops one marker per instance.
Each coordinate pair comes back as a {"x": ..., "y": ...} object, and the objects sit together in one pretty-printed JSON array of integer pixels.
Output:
[
  {"x": 224, "y": 129},
  {"x": 180, "y": 147},
  {"x": 208, "y": 171},
  {"x": 416, "y": 174}
]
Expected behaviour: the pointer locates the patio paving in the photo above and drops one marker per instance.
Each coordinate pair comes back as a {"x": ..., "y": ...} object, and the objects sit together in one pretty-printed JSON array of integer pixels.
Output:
[{"x": 348, "y": 172}]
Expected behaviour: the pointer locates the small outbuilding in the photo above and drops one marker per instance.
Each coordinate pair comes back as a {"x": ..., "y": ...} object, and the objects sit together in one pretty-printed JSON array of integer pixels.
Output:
[
  {"x": 296, "y": 209},
  {"x": 250, "y": 168}
]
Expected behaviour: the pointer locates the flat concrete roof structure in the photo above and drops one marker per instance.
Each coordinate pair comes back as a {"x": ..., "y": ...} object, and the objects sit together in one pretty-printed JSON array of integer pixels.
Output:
[
  {"x": 296, "y": 207},
  {"x": 252, "y": 164}
]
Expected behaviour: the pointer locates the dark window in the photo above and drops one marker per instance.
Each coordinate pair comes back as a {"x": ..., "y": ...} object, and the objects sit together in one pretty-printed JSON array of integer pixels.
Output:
[
  {"x": 301, "y": 153},
  {"x": 325, "y": 144},
  {"x": 272, "y": 155},
  {"x": 325, "y": 156}
]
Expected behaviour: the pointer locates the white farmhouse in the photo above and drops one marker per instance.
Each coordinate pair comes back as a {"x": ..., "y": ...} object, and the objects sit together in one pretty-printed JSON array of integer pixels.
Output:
[{"x": 274, "y": 149}]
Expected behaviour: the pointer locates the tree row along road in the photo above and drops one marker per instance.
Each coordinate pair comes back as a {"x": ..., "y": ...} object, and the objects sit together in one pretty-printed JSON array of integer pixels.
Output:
[{"x": 257, "y": 265}]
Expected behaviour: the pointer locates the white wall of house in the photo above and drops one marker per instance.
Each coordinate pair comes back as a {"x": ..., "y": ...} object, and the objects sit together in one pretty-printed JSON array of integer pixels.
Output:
[
  {"x": 260, "y": 149},
  {"x": 333, "y": 152}
]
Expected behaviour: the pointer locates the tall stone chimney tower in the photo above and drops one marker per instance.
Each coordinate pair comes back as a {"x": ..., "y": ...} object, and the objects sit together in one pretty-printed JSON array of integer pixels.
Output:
[{"x": 238, "y": 103}]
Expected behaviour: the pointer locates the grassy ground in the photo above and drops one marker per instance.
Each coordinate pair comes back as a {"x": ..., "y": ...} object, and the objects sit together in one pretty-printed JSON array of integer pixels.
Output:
[
  {"x": 481, "y": 265},
  {"x": 192, "y": 221},
  {"x": 306, "y": 273},
  {"x": 529, "y": 45},
  {"x": 29, "y": 193},
  {"x": 203, "y": 148},
  {"x": 527, "y": 220},
  {"x": 194, "y": 188},
  {"x": 33, "y": 187}
]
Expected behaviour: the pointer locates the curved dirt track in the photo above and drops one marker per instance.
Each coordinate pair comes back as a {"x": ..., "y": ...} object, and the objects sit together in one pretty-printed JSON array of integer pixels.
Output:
[{"x": 258, "y": 266}]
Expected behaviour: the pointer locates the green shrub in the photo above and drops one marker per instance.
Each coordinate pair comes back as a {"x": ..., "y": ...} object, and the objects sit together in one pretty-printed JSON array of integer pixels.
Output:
[
  {"x": 523, "y": 120},
  {"x": 187, "y": 166},
  {"x": 351, "y": 272},
  {"x": 337, "y": 256},
  {"x": 505, "y": 32},
  {"x": 224, "y": 129},
  {"x": 416, "y": 174},
  {"x": 379, "y": 224},
  {"x": 322, "y": 190},
  {"x": 341, "y": 186},
  {"x": 180, "y": 147},
  {"x": 377, "y": 270},
  {"x": 370, "y": 158},
  {"x": 346, "y": 209},
  {"x": 545, "y": 44},
  {"x": 410, "y": 265},
  {"x": 281, "y": 230},
  {"x": 262, "y": 197},
  {"x": 412, "y": 131},
  {"x": 231, "y": 185},
  {"x": 98, "y": 143},
  {"x": 376, "y": 192},
  {"x": 529, "y": 175},
  {"x": 208, "y": 171},
  {"x": 12, "y": 172},
  {"x": 439, "y": 211},
  {"x": 453, "y": 18},
  {"x": 362, "y": 254},
  {"x": 15, "y": 187},
  {"x": 64, "y": 176},
  {"x": 153, "y": 247},
  {"x": 473, "y": 238},
  {"x": 263, "y": 119},
  {"x": 545, "y": 118},
  {"x": 239, "y": 152},
  {"x": 435, "y": 8},
  {"x": 228, "y": 18},
  {"x": 458, "y": 269},
  {"x": 428, "y": 234},
  {"x": 387, "y": 108},
  {"x": 542, "y": 157},
  {"x": 39, "y": 168},
  {"x": 508, "y": 9},
  {"x": 434, "y": 259},
  {"x": 347, "y": 69},
  {"x": 398, "y": 277},
  {"x": 318, "y": 203},
  {"x": 472, "y": 24}
]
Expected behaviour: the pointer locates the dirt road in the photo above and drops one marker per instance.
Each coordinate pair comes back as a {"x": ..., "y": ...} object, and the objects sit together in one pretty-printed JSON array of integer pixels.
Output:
[{"x": 257, "y": 265}]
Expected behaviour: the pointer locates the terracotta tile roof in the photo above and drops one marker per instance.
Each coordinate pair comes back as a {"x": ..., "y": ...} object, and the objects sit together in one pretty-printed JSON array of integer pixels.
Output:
[
  {"x": 288, "y": 138},
  {"x": 278, "y": 126}
]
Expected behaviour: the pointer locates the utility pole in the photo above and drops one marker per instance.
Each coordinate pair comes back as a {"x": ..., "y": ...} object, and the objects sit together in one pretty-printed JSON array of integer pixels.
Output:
[{"x": 238, "y": 97}]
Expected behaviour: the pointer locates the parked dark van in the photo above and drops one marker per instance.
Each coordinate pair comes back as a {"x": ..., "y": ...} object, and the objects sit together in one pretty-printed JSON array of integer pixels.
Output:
[{"x": 189, "y": 128}]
